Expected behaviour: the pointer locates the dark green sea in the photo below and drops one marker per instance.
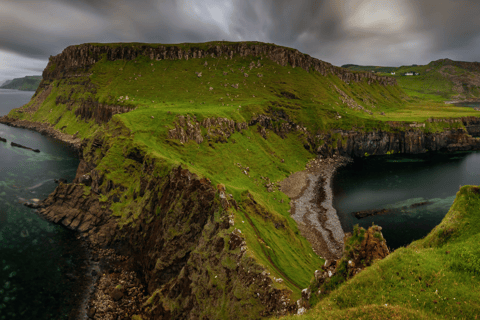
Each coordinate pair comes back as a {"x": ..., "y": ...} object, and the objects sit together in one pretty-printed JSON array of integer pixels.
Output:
[
  {"x": 417, "y": 191},
  {"x": 38, "y": 259}
]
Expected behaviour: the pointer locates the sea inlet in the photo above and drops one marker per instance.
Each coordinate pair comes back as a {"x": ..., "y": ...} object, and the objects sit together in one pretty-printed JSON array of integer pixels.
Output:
[
  {"x": 39, "y": 261},
  {"x": 407, "y": 195}
]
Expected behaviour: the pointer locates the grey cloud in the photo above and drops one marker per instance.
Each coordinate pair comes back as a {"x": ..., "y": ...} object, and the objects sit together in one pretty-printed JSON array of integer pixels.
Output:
[{"x": 435, "y": 28}]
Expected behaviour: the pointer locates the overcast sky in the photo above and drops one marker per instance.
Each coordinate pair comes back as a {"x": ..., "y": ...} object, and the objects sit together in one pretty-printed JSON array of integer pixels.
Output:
[{"x": 388, "y": 33}]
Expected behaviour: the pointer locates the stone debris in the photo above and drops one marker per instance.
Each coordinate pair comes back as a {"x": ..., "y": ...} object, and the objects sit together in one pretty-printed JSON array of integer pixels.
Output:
[
  {"x": 346, "y": 99},
  {"x": 313, "y": 210},
  {"x": 188, "y": 128}
]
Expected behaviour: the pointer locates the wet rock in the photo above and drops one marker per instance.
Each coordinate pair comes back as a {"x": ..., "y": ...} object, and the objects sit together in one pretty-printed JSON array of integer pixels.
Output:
[
  {"x": 13, "y": 144},
  {"x": 3, "y": 140},
  {"x": 368, "y": 213}
]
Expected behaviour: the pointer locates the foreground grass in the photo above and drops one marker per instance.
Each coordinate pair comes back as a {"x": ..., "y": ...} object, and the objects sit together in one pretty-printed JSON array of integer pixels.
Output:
[{"x": 433, "y": 278}]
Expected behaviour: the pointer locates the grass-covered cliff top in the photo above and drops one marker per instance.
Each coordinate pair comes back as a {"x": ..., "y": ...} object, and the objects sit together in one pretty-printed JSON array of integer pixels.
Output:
[
  {"x": 437, "y": 81},
  {"x": 155, "y": 92}
]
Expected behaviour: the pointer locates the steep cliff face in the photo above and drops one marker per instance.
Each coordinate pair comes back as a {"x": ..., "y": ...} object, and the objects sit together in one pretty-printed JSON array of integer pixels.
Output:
[
  {"x": 412, "y": 140},
  {"x": 79, "y": 58},
  {"x": 178, "y": 238}
]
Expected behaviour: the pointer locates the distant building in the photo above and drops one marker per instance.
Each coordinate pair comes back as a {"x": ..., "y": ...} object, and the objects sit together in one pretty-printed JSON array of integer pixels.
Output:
[
  {"x": 393, "y": 73},
  {"x": 412, "y": 73}
]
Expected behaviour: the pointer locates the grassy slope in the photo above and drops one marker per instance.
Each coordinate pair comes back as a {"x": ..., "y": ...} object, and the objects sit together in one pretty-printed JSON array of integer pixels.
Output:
[
  {"x": 432, "y": 85},
  {"x": 433, "y": 278},
  {"x": 166, "y": 89}
]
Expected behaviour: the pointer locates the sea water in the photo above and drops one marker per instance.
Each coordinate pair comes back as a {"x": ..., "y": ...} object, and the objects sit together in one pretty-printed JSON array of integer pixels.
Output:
[
  {"x": 416, "y": 190},
  {"x": 35, "y": 255}
]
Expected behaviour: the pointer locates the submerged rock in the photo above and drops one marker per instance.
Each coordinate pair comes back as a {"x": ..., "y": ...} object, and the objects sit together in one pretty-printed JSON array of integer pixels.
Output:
[{"x": 13, "y": 144}]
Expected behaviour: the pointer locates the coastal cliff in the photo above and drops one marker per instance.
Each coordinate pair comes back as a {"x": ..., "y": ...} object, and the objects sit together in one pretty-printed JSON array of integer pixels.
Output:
[
  {"x": 80, "y": 57},
  {"x": 183, "y": 149},
  {"x": 179, "y": 242}
]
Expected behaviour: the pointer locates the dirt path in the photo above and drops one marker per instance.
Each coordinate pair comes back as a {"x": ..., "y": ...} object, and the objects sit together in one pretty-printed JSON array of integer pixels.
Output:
[{"x": 312, "y": 206}]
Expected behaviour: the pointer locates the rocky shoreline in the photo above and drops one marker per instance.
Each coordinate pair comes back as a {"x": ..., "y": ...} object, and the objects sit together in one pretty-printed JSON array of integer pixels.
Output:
[
  {"x": 312, "y": 205},
  {"x": 91, "y": 282},
  {"x": 45, "y": 129}
]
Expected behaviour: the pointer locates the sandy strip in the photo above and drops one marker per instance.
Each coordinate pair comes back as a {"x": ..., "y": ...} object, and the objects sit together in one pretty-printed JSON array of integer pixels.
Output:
[{"x": 312, "y": 206}]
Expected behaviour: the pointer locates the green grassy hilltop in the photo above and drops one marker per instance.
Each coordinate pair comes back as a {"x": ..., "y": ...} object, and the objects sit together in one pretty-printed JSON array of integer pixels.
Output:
[
  {"x": 437, "y": 81},
  {"x": 250, "y": 162}
]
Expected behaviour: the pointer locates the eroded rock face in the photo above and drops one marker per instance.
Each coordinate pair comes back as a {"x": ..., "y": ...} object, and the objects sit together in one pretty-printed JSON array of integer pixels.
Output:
[
  {"x": 175, "y": 243},
  {"x": 101, "y": 113},
  {"x": 81, "y": 57},
  {"x": 357, "y": 144},
  {"x": 361, "y": 250},
  {"x": 220, "y": 129}
]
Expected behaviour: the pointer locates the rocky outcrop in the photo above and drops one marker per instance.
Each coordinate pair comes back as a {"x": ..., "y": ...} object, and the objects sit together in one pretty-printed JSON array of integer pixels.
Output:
[
  {"x": 176, "y": 238},
  {"x": 45, "y": 129},
  {"x": 346, "y": 99},
  {"x": 220, "y": 129},
  {"x": 472, "y": 125},
  {"x": 361, "y": 249},
  {"x": 358, "y": 144},
  {"x": 101, "y": 113},
  {"x": 79, "y": 58},
  {"x": 217, "y": 129}
]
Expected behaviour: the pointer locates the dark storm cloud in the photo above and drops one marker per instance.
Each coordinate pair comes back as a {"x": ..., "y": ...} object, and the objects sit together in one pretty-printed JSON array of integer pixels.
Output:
[
  {"x": 38, "y": 29},
  {"x": 452, "y": 25},
  {"x": 351, "y": 31}
]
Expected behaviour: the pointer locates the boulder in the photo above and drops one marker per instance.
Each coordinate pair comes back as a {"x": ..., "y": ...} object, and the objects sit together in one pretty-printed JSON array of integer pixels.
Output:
[
  {"x": 116, "y": 294},
  {"x": 85, "y": 179}
]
